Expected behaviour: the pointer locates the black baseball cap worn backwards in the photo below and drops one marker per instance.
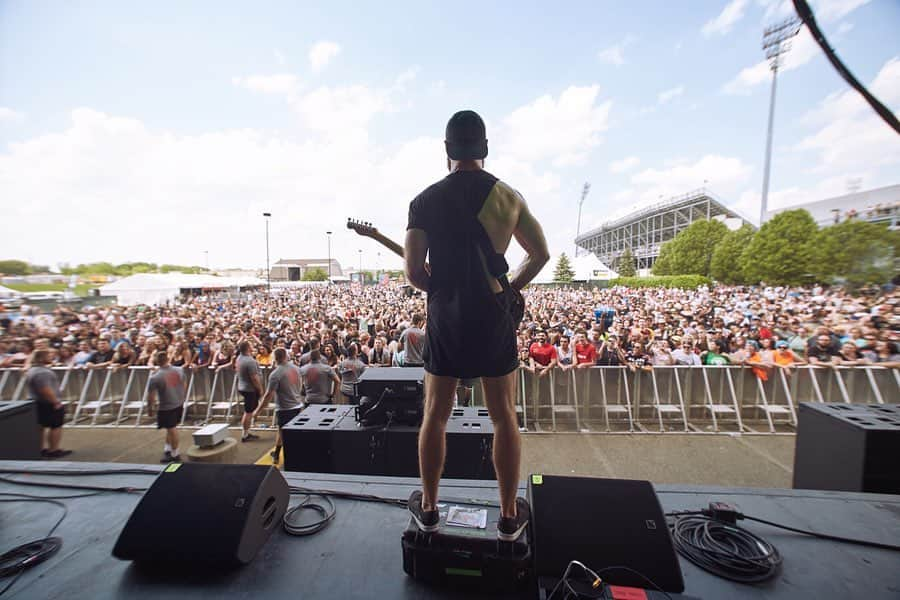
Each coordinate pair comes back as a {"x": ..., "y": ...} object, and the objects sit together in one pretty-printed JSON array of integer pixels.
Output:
[{"x": 466, "y": 138}]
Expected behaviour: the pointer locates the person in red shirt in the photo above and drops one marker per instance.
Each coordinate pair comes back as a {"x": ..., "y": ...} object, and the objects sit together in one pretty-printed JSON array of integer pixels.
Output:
[
  {"x": 585, "y": 352},
  {"x": 543, "y": 353}
]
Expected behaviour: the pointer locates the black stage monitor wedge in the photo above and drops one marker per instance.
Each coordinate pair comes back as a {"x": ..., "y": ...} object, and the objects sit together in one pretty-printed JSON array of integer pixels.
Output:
[
  {"x": 206, "y": 514},
  {"x": 602, "y": 523}
]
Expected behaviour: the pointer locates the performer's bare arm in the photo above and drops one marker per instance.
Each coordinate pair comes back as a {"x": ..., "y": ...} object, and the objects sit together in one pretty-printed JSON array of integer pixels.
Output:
[{"x": 530, "y": 236}]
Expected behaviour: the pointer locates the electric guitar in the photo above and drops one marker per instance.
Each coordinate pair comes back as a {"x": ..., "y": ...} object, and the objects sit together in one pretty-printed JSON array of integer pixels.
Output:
[{"x": 366, "y": 229}]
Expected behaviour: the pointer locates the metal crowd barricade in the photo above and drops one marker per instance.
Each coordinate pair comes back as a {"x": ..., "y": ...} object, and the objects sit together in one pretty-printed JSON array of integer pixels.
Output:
[
  {"x": 699, "y": 399},
  {"x": 223, "y": 398}
]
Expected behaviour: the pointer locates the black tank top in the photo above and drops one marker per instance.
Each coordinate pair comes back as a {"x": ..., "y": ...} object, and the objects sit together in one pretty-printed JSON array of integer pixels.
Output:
[{"x": 447, "y": 211}]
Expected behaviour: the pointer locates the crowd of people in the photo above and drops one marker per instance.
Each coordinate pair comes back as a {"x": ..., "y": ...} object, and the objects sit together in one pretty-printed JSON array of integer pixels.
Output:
[{"x": 369, "y": 326}]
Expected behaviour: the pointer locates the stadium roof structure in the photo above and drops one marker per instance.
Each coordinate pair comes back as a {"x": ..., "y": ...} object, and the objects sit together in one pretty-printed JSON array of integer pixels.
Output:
[
  {"x": 647, "y": 229},
  {"x": 878, "y": 205}
]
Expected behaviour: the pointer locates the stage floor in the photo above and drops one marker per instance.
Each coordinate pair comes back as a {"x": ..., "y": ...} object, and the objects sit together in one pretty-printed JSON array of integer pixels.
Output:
[{"x": 359, "y": 556}]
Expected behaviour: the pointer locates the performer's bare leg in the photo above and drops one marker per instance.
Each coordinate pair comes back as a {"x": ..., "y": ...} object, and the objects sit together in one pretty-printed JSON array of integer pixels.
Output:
[
  {"x": 500, "y": 398},
  {"x": 432, "y": 435}
]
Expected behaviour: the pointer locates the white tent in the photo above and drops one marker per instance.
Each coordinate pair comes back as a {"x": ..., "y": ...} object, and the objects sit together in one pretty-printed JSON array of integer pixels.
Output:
[
  {"x": 6, "y": 292},
  {"x": 587, "y": 267},
  {"x": 154, "y": 288}
]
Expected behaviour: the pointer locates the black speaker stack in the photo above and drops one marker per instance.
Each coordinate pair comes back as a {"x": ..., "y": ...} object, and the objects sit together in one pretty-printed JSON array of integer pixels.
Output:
[
  {"x": 329, "y": 439},
  {"x": 848, "y": 447}
]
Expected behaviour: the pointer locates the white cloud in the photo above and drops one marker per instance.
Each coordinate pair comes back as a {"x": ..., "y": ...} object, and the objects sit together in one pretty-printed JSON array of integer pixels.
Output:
[
  {"x": 851, "y": 134},
  {"x": 670, "y": 94},
  {"x": 845, "y": 28},
  {"x": 626, "y": 164},
  {"x": 321, "y": 54},
  {"x": 833, "y": 10},
  {"x": 279, "y": 57},
  {"x": 279, "y": 83},
  {"x": 803, "y": 49},
  {"x": 562, "y": 130},
  {"x": 722, "y": 24},
  {"x": 615, "y": 54},
  {"x": 9, "y": 115},
  {"x": 213, "y": 186}
]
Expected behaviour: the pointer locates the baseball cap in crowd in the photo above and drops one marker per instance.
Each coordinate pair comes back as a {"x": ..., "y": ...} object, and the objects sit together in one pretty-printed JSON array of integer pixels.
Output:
[
  {"x": 753, "y": 344},
  {"x": 781, "y": 344},
  {"x": 466, "y": 138}
]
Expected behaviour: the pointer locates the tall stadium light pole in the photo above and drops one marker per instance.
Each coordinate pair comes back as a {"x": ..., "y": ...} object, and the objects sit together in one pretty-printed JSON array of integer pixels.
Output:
[
  {"x": 328, "y": 233},
  {"x": 360, "y": 267},
  {"x": 206, "y": 253},
  {"x": 776, "y": 42},
  {"x": 268, "y": 215},
  {"x": 584, "y": 193}
]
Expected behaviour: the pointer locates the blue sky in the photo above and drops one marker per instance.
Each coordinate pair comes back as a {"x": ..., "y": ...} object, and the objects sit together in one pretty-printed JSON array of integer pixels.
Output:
[{"x": 155, "y": 131}]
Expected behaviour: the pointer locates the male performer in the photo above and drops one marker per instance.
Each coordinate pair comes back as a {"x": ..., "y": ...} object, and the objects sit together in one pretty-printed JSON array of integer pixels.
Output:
[
  {"x": 167, "y": 384},
  {"x": 42, "y": 389},
  {"x": 464, "y": 223},
  {"x": 249, "y": 386},
  {"x": 284, "y": 384}
]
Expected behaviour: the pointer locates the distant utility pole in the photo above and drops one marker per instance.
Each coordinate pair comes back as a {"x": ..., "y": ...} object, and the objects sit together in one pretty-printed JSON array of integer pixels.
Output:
[
  {"x": 584, "y": 193},
  {"x": 776, "y": 42}
]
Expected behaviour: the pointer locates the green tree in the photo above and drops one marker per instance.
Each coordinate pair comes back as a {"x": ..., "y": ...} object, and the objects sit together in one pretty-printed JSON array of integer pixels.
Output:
[
  {"x": 316, "y": 274},
  {"x": 563, "y": 272},
  {"x": 663, "y": 264},
  {"x": 15, "y": 267},
  {"x": 690, "y": 252},
  {"x": 856, "y": 253},
  {"x": 627, "y": 265},
  {"x": 726, "y": 259},
  {"x": 782, "y": 251}
]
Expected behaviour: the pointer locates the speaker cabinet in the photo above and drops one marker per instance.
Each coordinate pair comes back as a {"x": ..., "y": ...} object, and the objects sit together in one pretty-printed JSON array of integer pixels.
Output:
[
  {"x": 359, "y": 450},
  {"x": 20, "y": 434},
  {"x": 205, "y": 514},
  {"x": 307, "y": 438},
  {"x": 848, "y": 447}
]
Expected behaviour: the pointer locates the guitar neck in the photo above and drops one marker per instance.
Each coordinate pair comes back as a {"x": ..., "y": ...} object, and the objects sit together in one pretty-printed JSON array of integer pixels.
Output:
[{"x": 389, "y": 244}]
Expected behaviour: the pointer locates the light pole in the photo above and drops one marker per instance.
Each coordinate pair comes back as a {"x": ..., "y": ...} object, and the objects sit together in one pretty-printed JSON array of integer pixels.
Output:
[
  {"x": 206, "y": 253},
  {"x": 377, "y": 267},
  {"x": 584, "y": 193},
  {"x": 360, "y": 267},
  {"x": 776, "y": 42},
  {"x": 268, "y": 215},
  {"x": 328, "y": 233}
]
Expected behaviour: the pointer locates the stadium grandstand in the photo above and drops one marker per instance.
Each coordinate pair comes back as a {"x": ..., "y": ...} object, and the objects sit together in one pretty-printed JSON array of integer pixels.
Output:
[
  {"x": 646, "y": 230},
  {"x": 879, "y": 205}
]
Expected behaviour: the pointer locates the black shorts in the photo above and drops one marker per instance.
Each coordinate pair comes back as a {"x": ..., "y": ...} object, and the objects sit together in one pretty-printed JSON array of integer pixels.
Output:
[
  {"x": 251, "y": 401},
  {"x": 167, "y": 419},
  {"x": 48, "y": 416},
  {"x": 471, "y": 341},
  {"x": 284, "y": 416}
]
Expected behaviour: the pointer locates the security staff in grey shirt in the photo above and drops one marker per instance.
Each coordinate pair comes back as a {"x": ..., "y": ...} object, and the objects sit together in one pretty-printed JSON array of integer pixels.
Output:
[
  {"x": 318, "y": 377},
  {"x": 167, "y": 385},
  {"x": 413, "y": 341},
  {"x": 42, "y": 389},
  {"x": 284, "y": 385}
]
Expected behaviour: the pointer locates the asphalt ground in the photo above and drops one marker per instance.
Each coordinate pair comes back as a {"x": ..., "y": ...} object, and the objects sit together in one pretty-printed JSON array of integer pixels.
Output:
[{"x": 728, "y": 460}]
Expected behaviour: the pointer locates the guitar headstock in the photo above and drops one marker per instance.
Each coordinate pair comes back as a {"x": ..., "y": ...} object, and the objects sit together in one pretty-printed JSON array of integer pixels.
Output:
[{"x": 362, "y": 227}]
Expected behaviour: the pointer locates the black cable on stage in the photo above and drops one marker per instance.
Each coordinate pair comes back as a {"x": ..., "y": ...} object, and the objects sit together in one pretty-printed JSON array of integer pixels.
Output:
[
  {"x": 68, "y": 486},
  {"x": 80, "y": 472},
  {"x": 826, "y": 536},
  {"x": 324, "y": 507},
  {"x": 724, "y": 550},
  {"x": 806, "y": 15},
  {"x": 18, "y": 560},
  {"x": 712, "y": 540}
]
